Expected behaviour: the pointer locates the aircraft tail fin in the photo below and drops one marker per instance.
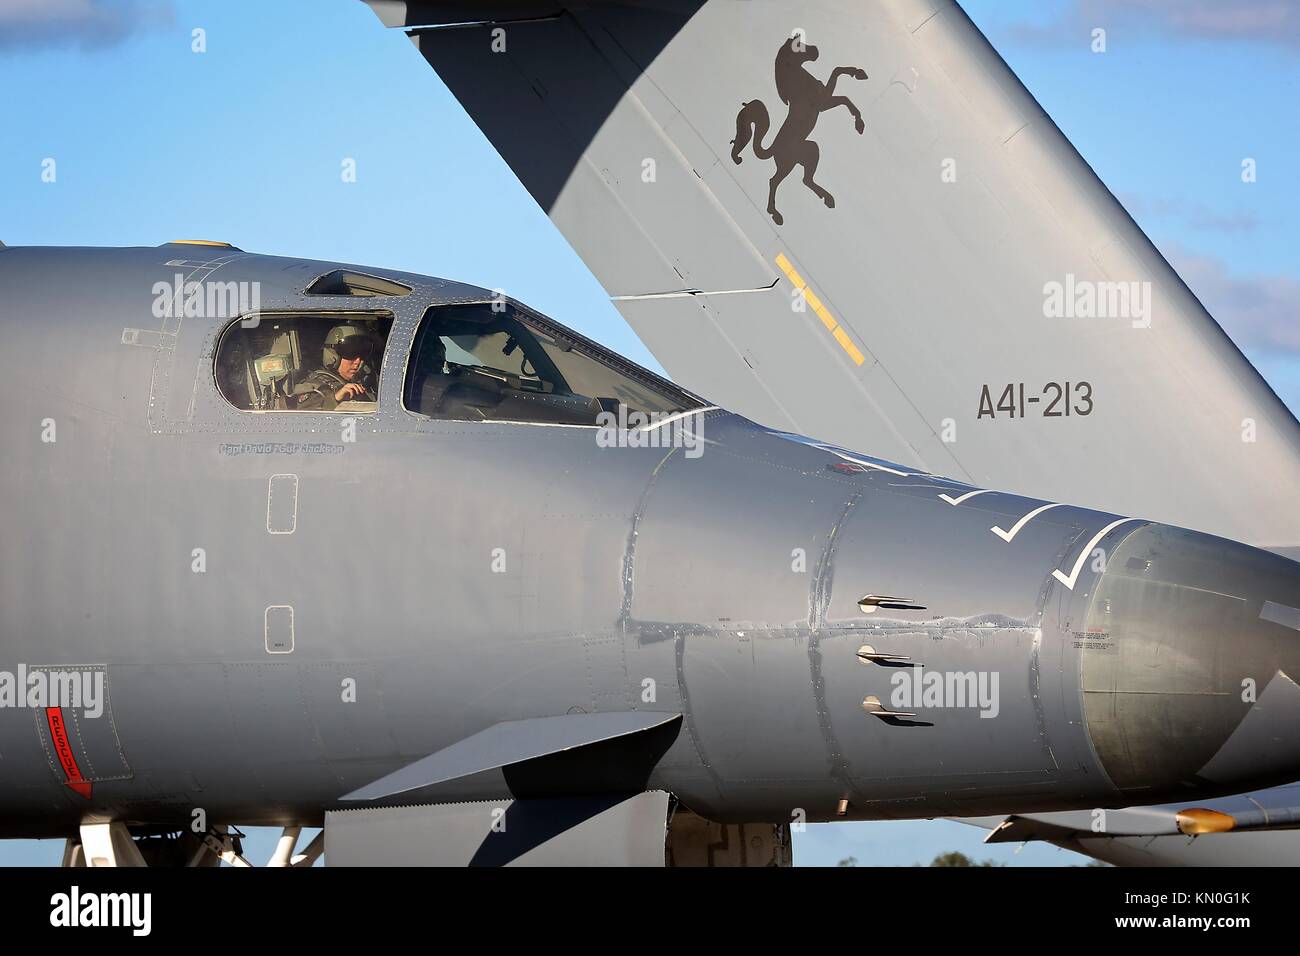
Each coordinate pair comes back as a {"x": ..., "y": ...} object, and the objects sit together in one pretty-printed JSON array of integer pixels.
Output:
[{"x": 910, "y": 259}]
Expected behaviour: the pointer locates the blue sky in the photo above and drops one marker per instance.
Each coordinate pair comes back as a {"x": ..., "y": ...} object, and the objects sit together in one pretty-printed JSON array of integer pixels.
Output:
[{"x": 244, "y": 142}]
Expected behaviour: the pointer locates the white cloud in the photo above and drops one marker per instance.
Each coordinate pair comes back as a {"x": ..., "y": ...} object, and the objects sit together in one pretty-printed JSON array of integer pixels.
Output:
[
  {"x": 33, "y": 24},
  {"x": 1260, "y": 312},
  {"x": 1274, "y": 22},
  {"x": 1195, "y": 215}
]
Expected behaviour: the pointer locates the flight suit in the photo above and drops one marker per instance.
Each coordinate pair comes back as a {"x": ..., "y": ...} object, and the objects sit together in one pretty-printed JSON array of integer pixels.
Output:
[{"x": 316, "y": 392}]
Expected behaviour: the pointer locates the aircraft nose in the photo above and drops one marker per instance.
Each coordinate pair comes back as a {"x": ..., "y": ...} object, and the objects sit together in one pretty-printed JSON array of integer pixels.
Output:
[{"x": 1190, "y": 657}]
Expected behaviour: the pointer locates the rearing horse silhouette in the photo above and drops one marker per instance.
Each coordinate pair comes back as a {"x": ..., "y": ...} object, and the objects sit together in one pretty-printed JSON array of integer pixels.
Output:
[{"x": 807, "y": 98}]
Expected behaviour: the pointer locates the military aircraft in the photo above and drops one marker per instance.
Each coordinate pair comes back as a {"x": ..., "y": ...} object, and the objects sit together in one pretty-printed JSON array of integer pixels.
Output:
[
  {"x": 949, "y": 272},
  {"x": 313, "y": 544},
  {"x": 517, "y": 594}
]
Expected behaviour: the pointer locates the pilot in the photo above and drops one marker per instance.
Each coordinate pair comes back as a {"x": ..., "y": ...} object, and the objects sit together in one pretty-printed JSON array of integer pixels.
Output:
[{"x": 346, "y": 375}]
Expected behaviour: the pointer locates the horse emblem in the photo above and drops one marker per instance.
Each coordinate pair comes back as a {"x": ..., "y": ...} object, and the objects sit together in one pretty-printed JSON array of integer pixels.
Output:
[{"x": 807, "y": 98}]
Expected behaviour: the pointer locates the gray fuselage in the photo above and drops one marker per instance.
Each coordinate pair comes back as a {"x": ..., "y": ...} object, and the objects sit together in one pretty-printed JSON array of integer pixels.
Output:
[{"x": 264, "y": 655}]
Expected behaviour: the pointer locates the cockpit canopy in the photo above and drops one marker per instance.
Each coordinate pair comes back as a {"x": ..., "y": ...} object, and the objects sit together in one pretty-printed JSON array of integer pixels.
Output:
[
  {"x": 496, "y": 362},
  {"x": 480, "y": 361},
  {"x": 264, "y": 360}
]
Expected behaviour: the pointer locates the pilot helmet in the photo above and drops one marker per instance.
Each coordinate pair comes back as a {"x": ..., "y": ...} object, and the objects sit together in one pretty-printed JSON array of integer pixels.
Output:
[{"x": 347, "y": 341}]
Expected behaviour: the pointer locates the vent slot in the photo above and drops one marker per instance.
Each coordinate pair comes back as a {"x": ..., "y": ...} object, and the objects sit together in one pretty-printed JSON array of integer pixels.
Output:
[{"x": 869, "y": 603}]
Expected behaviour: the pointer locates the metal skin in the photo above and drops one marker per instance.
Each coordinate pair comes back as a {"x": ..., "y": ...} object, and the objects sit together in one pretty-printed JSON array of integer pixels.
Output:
[
  {"x": 959, "y": 206},
  {"x": 723, "y": 587},
  {"x": 935, "y": 285}
]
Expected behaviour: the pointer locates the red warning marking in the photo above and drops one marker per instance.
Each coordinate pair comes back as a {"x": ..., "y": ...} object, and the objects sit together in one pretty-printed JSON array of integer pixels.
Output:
[{"x": 59, "y": 736}]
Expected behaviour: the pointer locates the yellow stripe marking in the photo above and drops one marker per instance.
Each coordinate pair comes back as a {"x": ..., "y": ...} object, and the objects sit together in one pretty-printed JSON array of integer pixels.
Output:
[
  {"x": 847, "y": 344},
  {"x": 820, "y": 310},
  {"x": 788, "y": 269}
]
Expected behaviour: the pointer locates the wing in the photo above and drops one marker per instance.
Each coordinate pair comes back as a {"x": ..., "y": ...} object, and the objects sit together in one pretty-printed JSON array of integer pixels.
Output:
[
  {"x": 851, "y": 221},
  {"x": 1255, "y": 829}
]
